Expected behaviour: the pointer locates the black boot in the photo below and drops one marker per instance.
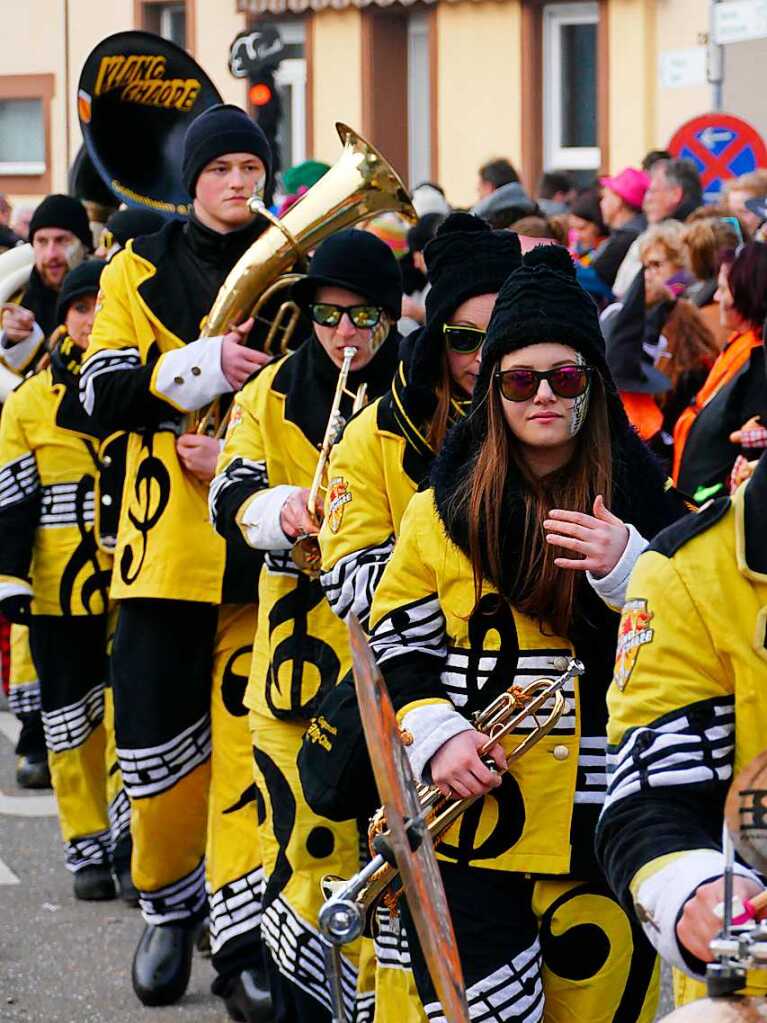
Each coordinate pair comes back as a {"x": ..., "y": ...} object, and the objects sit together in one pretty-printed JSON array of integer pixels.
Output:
[
  {"x": 121, "y": 858},
  {"x": 32, "y": 772},
  {"x": 162, "y": 963},
  {"x": 94, "y": 883},
  {"x": 248, "y": 999}
]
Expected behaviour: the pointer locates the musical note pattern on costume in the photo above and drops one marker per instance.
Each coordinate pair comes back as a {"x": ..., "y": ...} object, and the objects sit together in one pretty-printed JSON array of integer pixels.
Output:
[
  {"x": 19, "y": 480},
  {"x": 392, "y": 950},
  {"x": 153, "y": 769},
  {"x": 351, "y": 583},
  {"x": 177, "y": 901},
  {"x": 88, "y": 850},
  {"x": 236, "y": 908},
  {"x": 60, "y": 506},
  {"x": 119, "y": 816},
  {"x": 146, "y": 501},
  {"x": 68, "y": 727},
  {"x": 512, "y": 992},
  {"x": 108, "y": 360},
  {"x": 24, "y": 698},
  {"x": 239, "y": 471},
  {"x": 298, "y": 951}
]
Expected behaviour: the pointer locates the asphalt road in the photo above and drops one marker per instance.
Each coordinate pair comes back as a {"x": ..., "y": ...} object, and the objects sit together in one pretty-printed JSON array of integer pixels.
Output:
[{"x": 63, "y": 961}]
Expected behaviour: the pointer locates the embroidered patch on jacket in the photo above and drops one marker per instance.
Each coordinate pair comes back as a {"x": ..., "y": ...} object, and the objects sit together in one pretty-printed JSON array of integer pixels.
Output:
[
  {"x": 235, "y": 418},
  {"x": 338, "y": 497},
  {"x": 634, "y": 632}
]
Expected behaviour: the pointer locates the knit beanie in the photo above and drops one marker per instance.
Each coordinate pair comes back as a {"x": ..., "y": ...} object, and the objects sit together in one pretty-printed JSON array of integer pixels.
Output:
[
  {"x": 358, "y": 261},
  {"x": 83, "y": 280},
  {"x": 65, "y": 213},
  {"x": 542, "y": 301},
  {"x": 221, "y": 129},
  {"x": 465, "y": 258}
]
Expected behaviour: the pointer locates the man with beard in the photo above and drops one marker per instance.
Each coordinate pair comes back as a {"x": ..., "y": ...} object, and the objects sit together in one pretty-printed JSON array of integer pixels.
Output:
[{"x": 61, "y": 238}]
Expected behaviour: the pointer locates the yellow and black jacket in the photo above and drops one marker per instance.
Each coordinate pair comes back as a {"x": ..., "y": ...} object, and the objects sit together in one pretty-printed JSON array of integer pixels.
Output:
[
  {"x": 375, "y": 468},
  {"x": 49, "y": 464},
  {"x": 687, "y": 707},
  {"x": 144, "y": 370},
  {"x": 444, "y": 658},
  {"x": 40, "y": 300},
  {"x": 279, "y": 419}
]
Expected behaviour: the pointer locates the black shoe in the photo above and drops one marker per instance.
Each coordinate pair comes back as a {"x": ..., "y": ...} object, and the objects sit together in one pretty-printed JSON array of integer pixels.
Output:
[
  {"x": 94, "y": 883},
  {"x": 126, "y": 889},
  {"x": 162, "y": 963},
  {"x": 249, "y": 999},
  {"x": 202, "y": 941},
  {"x": 33, "y": 773}
]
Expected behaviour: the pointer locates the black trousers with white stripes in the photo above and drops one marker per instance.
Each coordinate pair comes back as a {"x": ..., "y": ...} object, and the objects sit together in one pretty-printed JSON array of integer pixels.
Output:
[
  {"x": 179, "y": 671},
  {"x": 70, "y": 655},
  {"x": 542, "y": 949}
]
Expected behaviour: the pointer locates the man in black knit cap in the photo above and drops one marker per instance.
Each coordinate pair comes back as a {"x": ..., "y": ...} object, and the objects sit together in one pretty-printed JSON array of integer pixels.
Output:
[
  {"x": 61, "y": 238},
  {"x": 187, "y": 614}
]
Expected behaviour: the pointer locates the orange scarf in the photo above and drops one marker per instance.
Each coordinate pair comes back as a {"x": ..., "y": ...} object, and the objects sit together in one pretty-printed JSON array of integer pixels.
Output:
[
  {"x": 643, "y": 412},
  {"x": 730, "y": 360}
]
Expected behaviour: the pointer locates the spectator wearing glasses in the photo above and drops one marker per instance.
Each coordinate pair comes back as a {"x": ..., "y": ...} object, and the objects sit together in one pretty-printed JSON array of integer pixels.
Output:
[{"x": 353, "y": 294}]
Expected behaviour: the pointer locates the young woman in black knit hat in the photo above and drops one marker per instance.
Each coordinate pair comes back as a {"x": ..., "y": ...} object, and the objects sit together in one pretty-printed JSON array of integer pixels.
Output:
[
  {"x": 481, "y": 592},
  {"x": 375, "y": 469}
]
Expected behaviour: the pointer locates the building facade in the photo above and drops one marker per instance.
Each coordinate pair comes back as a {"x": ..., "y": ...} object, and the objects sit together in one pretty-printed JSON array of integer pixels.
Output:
[{"x": 440, "y": 87}]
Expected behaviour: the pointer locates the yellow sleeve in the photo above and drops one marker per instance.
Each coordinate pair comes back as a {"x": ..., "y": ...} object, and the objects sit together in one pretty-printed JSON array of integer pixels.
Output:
[{"x": 357, "y": 534}]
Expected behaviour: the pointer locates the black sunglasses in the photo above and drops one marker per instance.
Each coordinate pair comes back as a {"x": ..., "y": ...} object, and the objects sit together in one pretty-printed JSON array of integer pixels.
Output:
[
  {"x": 523, "y": 384},
  {"x": 328, "y": 314},
  {"x": 463, "y": 340}
]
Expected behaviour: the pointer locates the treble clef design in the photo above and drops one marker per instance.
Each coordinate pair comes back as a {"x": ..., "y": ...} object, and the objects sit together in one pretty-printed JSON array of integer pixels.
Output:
[
  {"x": 86, "y": 553},
  {"x": 299, "y": 650},
  {"x": 151, "y": 493}
]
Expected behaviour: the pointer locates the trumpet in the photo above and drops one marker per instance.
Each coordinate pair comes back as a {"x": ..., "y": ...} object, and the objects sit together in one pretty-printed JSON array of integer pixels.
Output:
[
  {"x": 348, "y": 903},
  {"x": 306, "y": 550}
]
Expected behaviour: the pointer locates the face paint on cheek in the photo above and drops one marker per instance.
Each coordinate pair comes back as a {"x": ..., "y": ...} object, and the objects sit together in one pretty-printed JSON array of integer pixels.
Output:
[
  {"x": 379, "y": 333},
  {"x": 580, "y": 406},
  {"x": 74, "y": 253}
]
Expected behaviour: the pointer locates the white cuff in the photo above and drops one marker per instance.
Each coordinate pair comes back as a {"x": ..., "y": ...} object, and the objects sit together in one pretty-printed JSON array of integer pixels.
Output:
[
  {"x": 17, "y": 355},
  {"x": 260, "y": 521},
  {"x": 430, "y": 725},
  {"x": 661, "y": 896},
  {"x": 14, "y": 588},
  {"x": 191, "y": 377},
  {"x": 612, "y": 587}
]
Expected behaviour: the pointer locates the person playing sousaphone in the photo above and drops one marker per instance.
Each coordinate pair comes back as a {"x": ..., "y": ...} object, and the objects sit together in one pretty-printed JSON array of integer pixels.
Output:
[{"x": 187, "y": 613}]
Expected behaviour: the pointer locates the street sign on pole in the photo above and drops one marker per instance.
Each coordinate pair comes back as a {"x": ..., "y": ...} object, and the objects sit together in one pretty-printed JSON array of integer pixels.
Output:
[
  {"x": 721, "y": 146},
  {"x": 736, "y": 21}
]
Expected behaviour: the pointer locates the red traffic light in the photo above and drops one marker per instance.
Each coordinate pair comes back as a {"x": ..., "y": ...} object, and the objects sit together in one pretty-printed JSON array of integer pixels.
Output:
[{"x": 260, "y": 94}]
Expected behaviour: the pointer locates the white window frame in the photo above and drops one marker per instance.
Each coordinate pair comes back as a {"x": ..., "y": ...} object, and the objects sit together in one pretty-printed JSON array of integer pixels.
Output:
[
  {"x": 291, "y": 74},
  {"x": 555, "y": 17},
  {"x": 418, "y": 132},
  {"x": 25, "y": 168}
]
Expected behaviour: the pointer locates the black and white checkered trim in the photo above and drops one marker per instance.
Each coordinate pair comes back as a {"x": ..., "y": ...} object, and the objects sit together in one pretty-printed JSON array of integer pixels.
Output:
[
  {"x": 68, "y": 727},
  {"x": 88, "y": 851},
  {"x": 414, "y": 628},
  {"x": 298, "y": 951},
  {"x": 687, "y": 747},
  {"x": 108, "y": 360},
  {"x": 236, "y": 908},
  {"x": 177, "y": 901},
  {"x": 24, "y": 698},
  {"x": 19, "y": 480},
  {"x": 59, "y": 505},
  {"x": 119, "y": 816},
  {"x": 351, "y": 583},
  {"x": 239, "y": 471},
  {"x": 512, "y": 992},
  {"x": 154, "y": 769}
]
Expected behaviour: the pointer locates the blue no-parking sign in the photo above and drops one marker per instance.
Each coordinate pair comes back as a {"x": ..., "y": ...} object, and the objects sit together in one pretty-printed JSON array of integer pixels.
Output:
[{"x": 721, "y": 146}]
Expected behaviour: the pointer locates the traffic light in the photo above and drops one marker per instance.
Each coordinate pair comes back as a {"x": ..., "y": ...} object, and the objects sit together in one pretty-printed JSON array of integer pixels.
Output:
[{"x": 266, "y": 108}]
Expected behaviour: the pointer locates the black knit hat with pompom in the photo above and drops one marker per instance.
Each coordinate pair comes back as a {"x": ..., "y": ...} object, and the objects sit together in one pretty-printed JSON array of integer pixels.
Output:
[{"x": 542, "y": 301}]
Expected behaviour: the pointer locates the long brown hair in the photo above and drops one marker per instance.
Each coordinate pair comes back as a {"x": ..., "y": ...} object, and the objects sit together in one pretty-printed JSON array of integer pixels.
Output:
[
  {"x": 440, "y": 421},
  {"x": 691, "y": 344},
  {"x": 539, "y": 588}
]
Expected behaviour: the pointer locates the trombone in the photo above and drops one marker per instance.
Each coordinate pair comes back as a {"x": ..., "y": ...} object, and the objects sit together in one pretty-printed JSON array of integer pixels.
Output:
[{"x": 348, "y": 903}]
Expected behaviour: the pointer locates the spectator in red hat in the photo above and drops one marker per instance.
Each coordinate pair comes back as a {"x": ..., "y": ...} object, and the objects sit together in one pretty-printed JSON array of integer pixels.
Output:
[{"x": 621, "y": 206}]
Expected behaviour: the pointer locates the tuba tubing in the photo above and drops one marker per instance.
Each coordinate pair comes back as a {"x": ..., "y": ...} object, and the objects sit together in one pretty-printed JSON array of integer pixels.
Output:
[{"x": 348, "y": 902}]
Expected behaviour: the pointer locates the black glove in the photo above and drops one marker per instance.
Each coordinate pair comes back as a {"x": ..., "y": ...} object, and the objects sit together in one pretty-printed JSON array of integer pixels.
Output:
[{"x": 17, "y": 608}]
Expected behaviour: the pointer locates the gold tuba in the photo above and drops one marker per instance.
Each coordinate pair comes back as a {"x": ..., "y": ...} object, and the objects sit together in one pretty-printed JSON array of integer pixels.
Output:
[
  {"x": 352, "y": 900},
  {"x": 359, "y": 185}
]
